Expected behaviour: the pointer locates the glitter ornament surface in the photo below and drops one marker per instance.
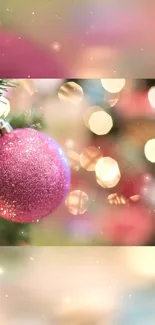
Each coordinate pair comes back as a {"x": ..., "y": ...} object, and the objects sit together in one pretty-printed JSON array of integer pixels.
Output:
[{"x": 34, "y": 177}]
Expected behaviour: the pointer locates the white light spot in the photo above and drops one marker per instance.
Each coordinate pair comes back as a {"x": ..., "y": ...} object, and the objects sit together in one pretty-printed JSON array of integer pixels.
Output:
[
  {"x": 149, "y": 150},
  {"x": 1, "y": 270},
  {"x": 67, "y": 300},
  {"x": 151, "y": 96},
  {"x": 113, "y": 85}
]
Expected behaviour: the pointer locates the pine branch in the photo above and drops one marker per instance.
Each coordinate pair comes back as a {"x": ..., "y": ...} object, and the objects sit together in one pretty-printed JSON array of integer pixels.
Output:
[{"x": 5, "y": 84}]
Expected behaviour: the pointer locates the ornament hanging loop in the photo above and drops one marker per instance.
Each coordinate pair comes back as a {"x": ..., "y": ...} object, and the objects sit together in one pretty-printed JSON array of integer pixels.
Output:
[{"x": 5, "y": 127}]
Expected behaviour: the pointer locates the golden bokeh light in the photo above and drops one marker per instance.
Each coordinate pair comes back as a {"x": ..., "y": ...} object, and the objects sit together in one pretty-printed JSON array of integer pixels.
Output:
[
  {"x": 117, "y": 199},
  {"x": 107, "y": 172},
  {"x": 149, "y": 150},
  {"x": 89, "y": 112},
  {"x": 107, "y": 184},
  {"x": 151, "y": 96},
  {"x": 77, "y": 202},
  {"x": 134, "y": 198},
  {"x": 4, "y": 107},
  {"x": 74, "y": 160},
  {"x": 28, "y": 85},
  {"x": 113, "y": 85},
  {"x": 69, "y": 144},
  {"x": 71, "y": 92},
  {"x": 100, "y": 123},
  {"x": 89, "y": 158}
]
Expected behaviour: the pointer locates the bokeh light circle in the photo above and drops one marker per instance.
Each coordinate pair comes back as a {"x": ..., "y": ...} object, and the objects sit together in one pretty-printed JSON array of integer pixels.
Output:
[
  {"x": 151, "y": 96},
  {"x": 107, "y": 172},
  {"x": 77, "y": 202},
  {"x": 88, "y": 113},
  {"x": 113, "y": 85},
  {"x": 149, "y": 150},
  {"x": 100, "y": 123},
  {"x": 71, "y": 92}
]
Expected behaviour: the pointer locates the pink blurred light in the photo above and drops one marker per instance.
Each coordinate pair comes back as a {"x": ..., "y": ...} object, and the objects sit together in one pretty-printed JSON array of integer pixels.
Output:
[
  {"x": 135, "y": 104},
  {"x": 127, "y": 226},
  {"x": 21, "y": 58},
  {"x": 119, "y": 26}
]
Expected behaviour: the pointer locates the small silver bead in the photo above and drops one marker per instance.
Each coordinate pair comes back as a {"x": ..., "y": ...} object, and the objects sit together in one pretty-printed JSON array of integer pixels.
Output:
[{"x": 5, "y": 127}]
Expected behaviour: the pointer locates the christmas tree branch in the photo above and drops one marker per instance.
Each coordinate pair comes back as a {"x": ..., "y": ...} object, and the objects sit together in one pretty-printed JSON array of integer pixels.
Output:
[{"x": 5, "y": 84}]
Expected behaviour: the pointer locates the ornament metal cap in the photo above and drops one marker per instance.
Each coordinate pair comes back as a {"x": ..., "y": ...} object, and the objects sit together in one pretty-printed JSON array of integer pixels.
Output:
[{"x": 5, "y": 127}]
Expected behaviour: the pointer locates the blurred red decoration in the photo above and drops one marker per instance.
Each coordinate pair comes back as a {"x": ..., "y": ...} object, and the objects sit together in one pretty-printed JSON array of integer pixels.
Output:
[
  {"x": 134, "y": 104},
  {"x": 127, "y": 226},
  {"x": 131, "y": 185}
]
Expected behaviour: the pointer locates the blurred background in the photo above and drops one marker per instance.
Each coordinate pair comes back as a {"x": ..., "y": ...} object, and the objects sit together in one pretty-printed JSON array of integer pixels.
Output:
[
  {"x": 77, "y": 285},
  {"x": 110, "y": 202},
  {"x": 91, "y": 39},
  {"x": 106, "y": 128}
]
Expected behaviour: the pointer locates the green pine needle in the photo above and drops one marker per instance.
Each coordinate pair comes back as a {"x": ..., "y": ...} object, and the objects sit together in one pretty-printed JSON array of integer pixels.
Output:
[{"x": 5, "y": 84}]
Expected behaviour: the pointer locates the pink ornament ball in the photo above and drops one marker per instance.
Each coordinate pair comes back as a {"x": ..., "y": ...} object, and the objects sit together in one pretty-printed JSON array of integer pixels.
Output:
[
  {"x": 35, "y": 176},
  {"x": 22, "y": 58}
]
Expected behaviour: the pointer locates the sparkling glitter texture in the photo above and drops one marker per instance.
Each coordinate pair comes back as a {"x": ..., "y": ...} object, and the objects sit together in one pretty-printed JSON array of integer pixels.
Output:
[{"x": 34, "y": 175}]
